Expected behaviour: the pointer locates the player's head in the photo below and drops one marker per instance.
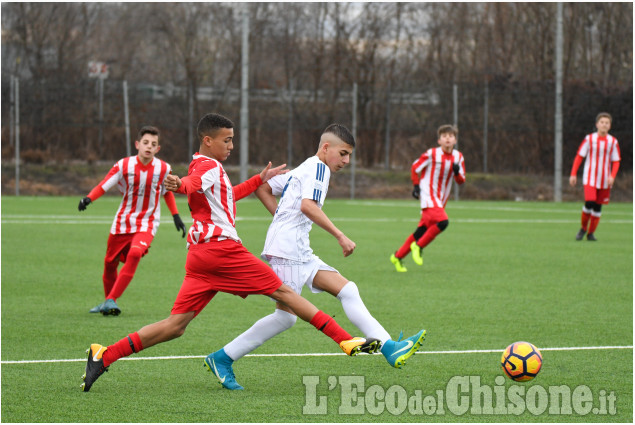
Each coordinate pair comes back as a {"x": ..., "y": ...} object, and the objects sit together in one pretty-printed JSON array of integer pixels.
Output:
[
  {"x": 216, "y": 135},
  {"x": 447, "y": 134},
  {"x": 147, "y": 143},
  {"x": 336, "y": 146},
  {"x": 603, "y": 122}
]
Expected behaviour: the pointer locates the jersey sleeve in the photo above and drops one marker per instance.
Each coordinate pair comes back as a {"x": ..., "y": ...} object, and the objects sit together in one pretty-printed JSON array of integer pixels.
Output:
[
  {"x": 278, "y": 183},
  {"x": 111, "y": 179},
  {"x": 583, "y": 150},
  {"x": 316, "y": 182},
  {"x": 418, "y": 166},
  {"x": 615, "y": 154},
  {"x": 201, "y": 178}
]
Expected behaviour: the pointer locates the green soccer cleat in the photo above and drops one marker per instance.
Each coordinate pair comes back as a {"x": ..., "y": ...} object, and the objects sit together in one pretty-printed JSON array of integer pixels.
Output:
[
  {"x": 398, "y": 265},
  {"x": 397, "y": 352},
  {"x": 220, "y": 364},
  {"x": 94, "y": 367},
  {"x": 96, "y": 309},
  {"x": 416, "y": 251},
  {"x": 109, "y": 307}
]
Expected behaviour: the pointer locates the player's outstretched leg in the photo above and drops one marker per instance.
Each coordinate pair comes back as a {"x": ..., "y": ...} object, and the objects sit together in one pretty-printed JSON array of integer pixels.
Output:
[
  {"x": 397, "y": 352},
  {"x": 110, "y": 307},
  {"x": 397, "y": 263},
  {"x": 220, "y": 364},
  {"x": 357, "y": 345},
  {"x": 416, "y": 251},
  {"x": 94, "y": 366}
]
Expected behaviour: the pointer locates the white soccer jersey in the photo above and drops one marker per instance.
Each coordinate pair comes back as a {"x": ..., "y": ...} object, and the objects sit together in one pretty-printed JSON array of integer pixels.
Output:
[
  {"x": 142, "y": 188},
  {"x": 213, "y": 206},
  {"x": 433, "y": 172},
  {"x": 599, "y": 153},
  {"x": 288, "y": 234}
]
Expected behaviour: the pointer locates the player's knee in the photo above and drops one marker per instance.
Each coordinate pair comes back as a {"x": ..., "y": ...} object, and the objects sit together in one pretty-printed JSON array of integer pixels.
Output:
[
  {"x": 597, "y": 207},
  {"x": 589, "y": 205},
  {"x": 285, "y": 318},
  {"x": 442, "y": 225},
  {"x": 135, "y": 254},
  {"x": 419, "y": 232}
]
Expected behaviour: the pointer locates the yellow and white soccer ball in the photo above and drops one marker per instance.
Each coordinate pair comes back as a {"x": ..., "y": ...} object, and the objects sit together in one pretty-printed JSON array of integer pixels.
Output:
[{"x": 521, "y": 361}]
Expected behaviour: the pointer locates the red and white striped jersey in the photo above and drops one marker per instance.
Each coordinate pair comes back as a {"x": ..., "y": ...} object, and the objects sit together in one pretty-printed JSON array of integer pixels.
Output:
[
  {"x": 599, "y": 152},
  {"x": 433, "y": 173},
  {"x": 142, "y": 187}
]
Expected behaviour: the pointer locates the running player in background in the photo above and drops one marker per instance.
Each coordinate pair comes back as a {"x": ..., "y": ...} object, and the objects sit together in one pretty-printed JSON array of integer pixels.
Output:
[
  {"x": 287, "y": 248},
  {"x": 602, "y": 154},
  {"x": 216, "y": 259},
  {"x": 140, "y": 180},
  {"x": 432, "y": 178}
]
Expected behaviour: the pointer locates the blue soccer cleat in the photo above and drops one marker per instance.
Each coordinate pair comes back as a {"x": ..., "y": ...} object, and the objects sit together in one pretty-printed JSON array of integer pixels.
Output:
[
  {"x": 220, "y": 364},
  {"x": 110, "y": 307},
  {"x": 397, "y": 352}
]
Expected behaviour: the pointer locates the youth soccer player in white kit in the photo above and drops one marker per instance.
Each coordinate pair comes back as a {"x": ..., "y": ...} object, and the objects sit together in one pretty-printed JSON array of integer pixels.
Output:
[{"x": 287, "y": 248}]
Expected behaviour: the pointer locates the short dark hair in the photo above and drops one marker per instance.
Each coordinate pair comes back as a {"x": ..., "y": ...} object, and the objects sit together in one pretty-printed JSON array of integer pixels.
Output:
[
  {"x": 604, "y": 115},
  {"x": 211, "y": 123},
  {"x": 447, "y": 128},
  {"x": 342, "y": 132},
  {"x": 148, "y": 129}
]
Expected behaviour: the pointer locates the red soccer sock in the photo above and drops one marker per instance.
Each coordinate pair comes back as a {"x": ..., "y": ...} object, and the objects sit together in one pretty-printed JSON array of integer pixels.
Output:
[
  {"x": 429, "y": 236},
  {"x": 109, "y": 277},
  {"x": 325, "y": 323},
  {"x": 593, "y": 223},
  {"x": 125, "y": 276},
  {"x": 405, "y": 248},
  {"x": 585, "y": 220},
  {"x": 123, "y": 348}
]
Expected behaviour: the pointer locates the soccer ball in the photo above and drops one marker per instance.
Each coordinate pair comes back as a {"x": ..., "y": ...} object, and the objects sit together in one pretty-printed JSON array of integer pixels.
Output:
[{"x": 521, "y": 361}]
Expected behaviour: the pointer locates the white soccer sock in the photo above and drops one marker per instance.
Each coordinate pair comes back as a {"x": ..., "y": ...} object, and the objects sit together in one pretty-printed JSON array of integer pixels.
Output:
[
  {"x": 359, "y": 315},
  {"x": 261, "y": 331}
]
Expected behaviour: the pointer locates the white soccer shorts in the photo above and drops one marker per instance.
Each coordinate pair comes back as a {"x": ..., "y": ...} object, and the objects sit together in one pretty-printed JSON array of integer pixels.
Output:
[{"x": 297, "y": 274}]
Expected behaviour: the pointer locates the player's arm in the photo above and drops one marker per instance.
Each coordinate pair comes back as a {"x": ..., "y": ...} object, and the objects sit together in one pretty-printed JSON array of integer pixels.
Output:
[
  {"x": 573, "y": 179},
  {"x": 170, "y": 201},
  {"x": 311, "y": 209},
  {"x": 415, "y": 174},
  {"x": 248, "y": 187},
  {"x": 615, "y": 166},
  {"x": 107, "y": 182},
  {"x": 265, "y": 194}
]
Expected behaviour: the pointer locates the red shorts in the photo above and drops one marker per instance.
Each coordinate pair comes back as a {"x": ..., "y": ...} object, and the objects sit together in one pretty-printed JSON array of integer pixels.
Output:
[
  {"x": 432, "y": 216},
  {"x": 224, "y": 266},
  {"x": 119, "y": 245},
  {"x": 599, "y": 196}
]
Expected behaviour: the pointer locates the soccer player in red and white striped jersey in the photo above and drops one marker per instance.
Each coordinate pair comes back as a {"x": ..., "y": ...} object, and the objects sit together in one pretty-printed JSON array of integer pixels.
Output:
[
  {"x": 602, "y": 153},
  {"x": 217, "y": 261},
  {"x": 432, "y": 176},
  {"x": 140, "y": 179}
]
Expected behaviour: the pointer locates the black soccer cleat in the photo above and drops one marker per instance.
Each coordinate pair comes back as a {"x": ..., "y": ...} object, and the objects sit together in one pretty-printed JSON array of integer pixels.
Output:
[
  {"x": 94, "y": 367},
  {"x": 591, "y": 237},
  {"x": 580, "y": 235}
]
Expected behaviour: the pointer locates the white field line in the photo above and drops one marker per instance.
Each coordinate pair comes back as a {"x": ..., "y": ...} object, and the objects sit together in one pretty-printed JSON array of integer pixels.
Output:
[
  {"x": 498, "y": 350},
  {"x": 73, "y": 220}
]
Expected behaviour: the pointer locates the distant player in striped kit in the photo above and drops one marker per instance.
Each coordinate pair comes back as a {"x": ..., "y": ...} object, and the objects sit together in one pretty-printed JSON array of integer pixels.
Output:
[
  {"x": 217, "y": 261},
  {"x": 432, "y": 176},
  {"x": 287, "y": 247},
  {"x": 602, "y": 153},
  {"x": 140, "y": 179}
]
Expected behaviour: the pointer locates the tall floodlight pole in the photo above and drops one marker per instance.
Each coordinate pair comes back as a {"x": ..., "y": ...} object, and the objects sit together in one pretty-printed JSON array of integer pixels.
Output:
[
  {"x": 244, "y": 98},
  {"x": 354, "y": 130},
  {"x": 455, "y": 103},
  {"x": 557, "y": 181},
  {"x": 17, "y": 136},
  {"x": 126, "y": 116},
  {"x": 485, "y": 119}
]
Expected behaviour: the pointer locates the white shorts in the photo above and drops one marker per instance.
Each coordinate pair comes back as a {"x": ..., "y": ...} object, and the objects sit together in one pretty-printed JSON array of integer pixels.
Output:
[{"x": 297, "y": 274}]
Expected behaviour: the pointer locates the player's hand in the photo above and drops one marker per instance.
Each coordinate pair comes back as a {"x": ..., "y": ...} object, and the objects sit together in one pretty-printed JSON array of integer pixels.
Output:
[
  {"x": 610, "y": 181},
  {"x": 456, "y": 168},
  {"x": 269, "y": 172},
  {"x": 84, "y": 203},
  {"x": 416, "y": 191},
  {"x": 572, "y": 181},
  {"x": 179, "y": 223},
  {"x": 348, "y": 246},
  {"x": 172, "y": 182}
]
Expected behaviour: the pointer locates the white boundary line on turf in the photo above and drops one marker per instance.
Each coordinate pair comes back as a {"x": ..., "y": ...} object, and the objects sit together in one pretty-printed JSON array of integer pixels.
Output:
[{"x": 608, "y": 347}]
